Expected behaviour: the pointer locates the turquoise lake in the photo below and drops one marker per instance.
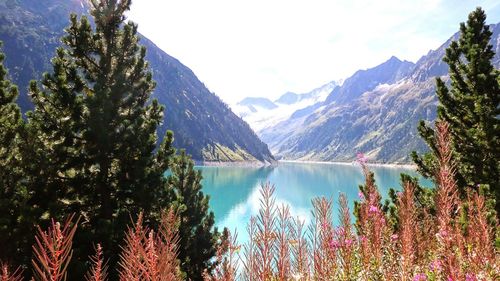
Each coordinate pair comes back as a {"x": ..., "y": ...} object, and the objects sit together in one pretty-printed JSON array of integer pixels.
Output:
[{"x": 234, "y": 191}]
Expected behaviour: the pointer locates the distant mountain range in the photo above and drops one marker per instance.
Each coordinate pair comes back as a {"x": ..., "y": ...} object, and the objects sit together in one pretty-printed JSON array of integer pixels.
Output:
[
  {"x": 262, "y": 113},
  {"x": 375, "y": 111},
  {"x": 203, "y": 124}
]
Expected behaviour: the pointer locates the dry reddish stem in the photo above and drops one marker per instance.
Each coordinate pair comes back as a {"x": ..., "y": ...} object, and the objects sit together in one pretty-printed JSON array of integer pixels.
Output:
[
  {"x": 372, "y": 223},
  {"x": 249, "y": 252},
  {"x": 52, "y": 250},
  {"x": 447, "y": 203},
  {"x": 480, "y": 234},
  {"x": 346, "y": 239},
  {"x": 300, "y": 251},
  {"x": 99, "y": 269},
  {"x": 167, "y": 245},
  {"x": 227, "y": 263},
  {"x": 266, "y": 235},
  {"x": 323, "y": 240},
  {"x": 407, "y": 231},
  {"x": 148, "y": 255},
  {"x": 131, "y": 259},
  {"x": 283, "y": 244},
  {"x": 7, "y": 275}
]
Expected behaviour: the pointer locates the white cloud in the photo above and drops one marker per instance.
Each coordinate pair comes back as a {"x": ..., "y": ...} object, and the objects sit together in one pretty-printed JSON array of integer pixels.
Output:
[{"x": 267, "y": 47}]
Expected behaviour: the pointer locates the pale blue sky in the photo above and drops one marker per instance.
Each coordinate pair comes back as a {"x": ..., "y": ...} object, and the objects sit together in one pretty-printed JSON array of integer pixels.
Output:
[{"x": 267, "y": 47}]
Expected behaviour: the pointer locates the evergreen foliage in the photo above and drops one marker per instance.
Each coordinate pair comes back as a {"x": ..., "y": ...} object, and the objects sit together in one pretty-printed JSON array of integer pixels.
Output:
[
  {"x": 89, "y": 147},
  {"x": 94, "y": 131},
  {"x": 198, "y": 244},
  {"x": 471, "y": 105},
  {"x": 14, "y": 228}
]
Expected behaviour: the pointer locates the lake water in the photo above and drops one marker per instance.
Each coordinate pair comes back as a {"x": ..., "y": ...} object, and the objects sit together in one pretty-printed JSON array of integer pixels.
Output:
[{"x": 234, "y": 191}]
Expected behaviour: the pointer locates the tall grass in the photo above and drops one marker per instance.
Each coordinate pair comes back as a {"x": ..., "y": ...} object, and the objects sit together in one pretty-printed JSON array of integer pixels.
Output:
[{"x": 147, "y": 255}]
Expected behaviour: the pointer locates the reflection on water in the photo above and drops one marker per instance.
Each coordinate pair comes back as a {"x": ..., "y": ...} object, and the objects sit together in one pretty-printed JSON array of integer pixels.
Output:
[
  {"x": 230, "y": 186},
  {"x": 234, "y": 191}
]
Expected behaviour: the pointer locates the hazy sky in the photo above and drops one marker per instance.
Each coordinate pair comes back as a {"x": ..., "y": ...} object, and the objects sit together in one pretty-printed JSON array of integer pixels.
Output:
[{"x": 267, "y": 47}]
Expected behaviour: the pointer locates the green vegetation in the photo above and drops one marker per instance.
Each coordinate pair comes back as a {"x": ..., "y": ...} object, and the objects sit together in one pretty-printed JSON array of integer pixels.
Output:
[
  {"x": 14, "y": 225},
  {"x": 219, "y": 152},
  {"x": 471, "y": 106},
  {"x": 198, "y": 240},
  {"x": 89, "y": 148}
]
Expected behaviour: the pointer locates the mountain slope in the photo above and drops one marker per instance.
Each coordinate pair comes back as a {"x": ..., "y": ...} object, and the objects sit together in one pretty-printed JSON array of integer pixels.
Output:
[
  {"x": 202, "y": 123},
  {"x": 364, "y": 80},
  {"x": 375, "y": 111}
]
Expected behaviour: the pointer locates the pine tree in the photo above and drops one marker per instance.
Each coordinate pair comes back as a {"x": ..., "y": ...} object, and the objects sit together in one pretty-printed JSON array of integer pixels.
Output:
[
  {"x": 471, "y": 105},
  {"x": 10, "y": 123},
  {"x": 13, "y": 195},
  {"x": 198, "y": 238},
  {"x": 91, "y": 145},
  {"x": 93, "y": 133}
]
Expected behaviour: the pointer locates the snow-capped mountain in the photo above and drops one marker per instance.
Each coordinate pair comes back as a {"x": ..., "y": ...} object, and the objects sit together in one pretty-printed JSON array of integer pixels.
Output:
[{"x": 262, "y": 113}]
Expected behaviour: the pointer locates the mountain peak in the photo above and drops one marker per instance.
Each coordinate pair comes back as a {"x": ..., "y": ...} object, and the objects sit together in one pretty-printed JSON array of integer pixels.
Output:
[{"x": 394, "y": 59}]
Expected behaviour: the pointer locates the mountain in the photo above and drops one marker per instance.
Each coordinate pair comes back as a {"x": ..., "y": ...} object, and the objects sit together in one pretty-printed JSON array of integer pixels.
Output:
[
  {"x": 203, "y": 124},
  {"x": 252, "y": 105},
  {"x": 262, "y": 113},
  {"x": 364, "y": 80},
  {"x": 289, "y": 98},
  {"x": 375, "y": 111}
]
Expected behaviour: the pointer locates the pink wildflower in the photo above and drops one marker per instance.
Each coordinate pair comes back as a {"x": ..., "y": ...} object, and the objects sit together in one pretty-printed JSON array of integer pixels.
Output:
[
  {"x": 334, "y": 244},
  {"x": 394, "y": 237},
  {"x": 361, "y": 158},
  {"x": 348, "y": 242},
  {"x": 420, "y": 277},
  {"x": 443, "y": 233},
  {"x": 361, "y": 195},
  {"x": 373, "y": 209},
  {"x": 324, "y": 226},
  {"x": 435, "y": 266},
  {"x": 470, "y": 277},
  {"x": 363, "y": 239}
]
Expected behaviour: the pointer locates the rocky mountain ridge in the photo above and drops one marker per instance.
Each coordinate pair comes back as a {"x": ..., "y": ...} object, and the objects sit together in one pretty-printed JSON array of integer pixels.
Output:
[
  {"x": 202, "y": 123},
  {"x": 375, "y": 111}
]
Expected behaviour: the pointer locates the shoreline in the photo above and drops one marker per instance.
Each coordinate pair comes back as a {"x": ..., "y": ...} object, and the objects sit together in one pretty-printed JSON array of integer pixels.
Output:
[
  {"x": 385, "y": 165},
  {"x": 250, "y": 164},
  {"x": 257, "y": 164}
]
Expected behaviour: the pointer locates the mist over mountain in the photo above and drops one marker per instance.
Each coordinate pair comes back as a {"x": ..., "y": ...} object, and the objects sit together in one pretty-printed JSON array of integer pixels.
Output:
[
  {"x": 203, "y": 124},
  {"x": 262, "y": 113}
]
